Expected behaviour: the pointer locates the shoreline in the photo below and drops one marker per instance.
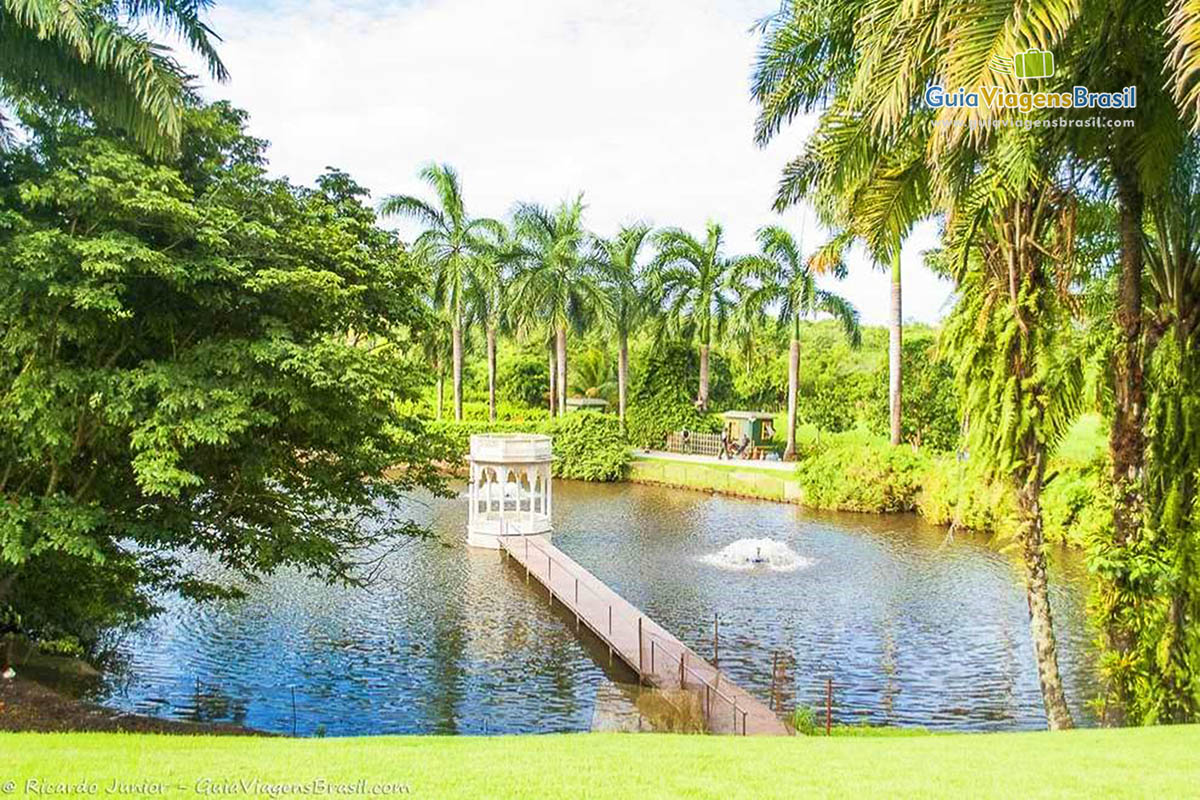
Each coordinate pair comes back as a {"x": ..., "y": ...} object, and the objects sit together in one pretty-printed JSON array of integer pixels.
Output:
[{"x": 27, "y": 706}]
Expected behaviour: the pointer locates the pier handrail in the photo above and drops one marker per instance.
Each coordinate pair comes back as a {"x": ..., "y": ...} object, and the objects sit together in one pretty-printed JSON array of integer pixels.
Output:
[{"x": 678, "y": 654}]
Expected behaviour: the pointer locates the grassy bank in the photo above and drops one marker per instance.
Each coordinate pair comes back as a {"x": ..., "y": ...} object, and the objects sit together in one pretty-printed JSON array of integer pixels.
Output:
[
  {"x": 735, "y": 479},
  {"x": 1144, "y": 762}
]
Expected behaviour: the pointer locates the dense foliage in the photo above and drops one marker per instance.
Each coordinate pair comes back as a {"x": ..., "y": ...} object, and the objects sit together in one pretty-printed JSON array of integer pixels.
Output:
[
  {"x": 589, "y": 447},
  {"x": 663, "y": 397},
  {"x": 193, "y": 357}
]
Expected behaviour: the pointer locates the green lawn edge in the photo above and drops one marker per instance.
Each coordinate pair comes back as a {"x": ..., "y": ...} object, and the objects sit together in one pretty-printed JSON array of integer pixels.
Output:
[{"x": 1140, "y": 762}]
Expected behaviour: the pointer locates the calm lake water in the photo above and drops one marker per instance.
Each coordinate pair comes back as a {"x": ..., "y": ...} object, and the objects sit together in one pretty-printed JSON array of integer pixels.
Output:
[{"x": 914, "y": 627}]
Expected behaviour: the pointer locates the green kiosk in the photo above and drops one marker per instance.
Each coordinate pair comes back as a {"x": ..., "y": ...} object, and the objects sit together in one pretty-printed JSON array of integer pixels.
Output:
[{"x": 749, "y": 432}]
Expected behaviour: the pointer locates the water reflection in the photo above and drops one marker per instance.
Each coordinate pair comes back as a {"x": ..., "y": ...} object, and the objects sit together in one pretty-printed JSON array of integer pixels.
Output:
[{"x": 913, "y": 627}]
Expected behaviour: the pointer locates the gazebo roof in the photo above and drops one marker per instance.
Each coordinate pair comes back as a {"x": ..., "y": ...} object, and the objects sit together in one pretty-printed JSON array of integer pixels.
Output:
[{"x": 510, "y": 448}]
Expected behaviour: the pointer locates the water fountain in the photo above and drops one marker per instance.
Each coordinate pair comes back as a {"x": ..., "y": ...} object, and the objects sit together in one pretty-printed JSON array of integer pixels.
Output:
[{"x": 761, "y": 554}]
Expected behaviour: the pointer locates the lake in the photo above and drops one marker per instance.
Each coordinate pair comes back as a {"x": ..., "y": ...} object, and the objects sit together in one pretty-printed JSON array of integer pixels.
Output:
[{"x": 914, "y": 627}]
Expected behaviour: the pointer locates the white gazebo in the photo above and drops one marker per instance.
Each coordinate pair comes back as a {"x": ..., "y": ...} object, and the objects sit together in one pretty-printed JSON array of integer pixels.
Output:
[{"x": 510, "y": 487}]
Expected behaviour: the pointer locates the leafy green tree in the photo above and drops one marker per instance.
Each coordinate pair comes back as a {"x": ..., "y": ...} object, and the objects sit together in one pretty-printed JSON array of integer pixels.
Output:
[
  {"x": 623, "y": 280},
  {"x": 195, "y": 358},
  {"x": 787, "y": 284},
  {"x": 456, "y": 246},
  {"x": 90, "y": 54},
  {"x": 523, "y": 379},
  {"x": 692, "y": 282},
  {"x": 556, "y": 284}
]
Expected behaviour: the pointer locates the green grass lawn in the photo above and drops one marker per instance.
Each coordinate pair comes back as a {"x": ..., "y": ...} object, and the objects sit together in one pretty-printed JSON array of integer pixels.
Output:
[{"x": 1147, "y": 762}]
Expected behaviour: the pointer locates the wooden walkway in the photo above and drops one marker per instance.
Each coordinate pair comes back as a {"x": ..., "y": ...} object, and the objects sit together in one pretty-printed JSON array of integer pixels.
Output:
[{"x": 650, "y": 650}]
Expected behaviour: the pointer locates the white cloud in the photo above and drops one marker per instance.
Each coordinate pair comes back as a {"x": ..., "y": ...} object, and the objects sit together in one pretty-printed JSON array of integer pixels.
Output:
[{"x": 643, "y": 106}]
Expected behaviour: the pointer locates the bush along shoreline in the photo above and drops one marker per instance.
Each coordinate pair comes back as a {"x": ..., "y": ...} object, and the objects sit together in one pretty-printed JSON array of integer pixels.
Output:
[{"x": 854, "y": 470}]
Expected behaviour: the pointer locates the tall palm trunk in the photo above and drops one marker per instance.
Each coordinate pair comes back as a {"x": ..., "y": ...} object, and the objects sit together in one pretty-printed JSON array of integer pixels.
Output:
[
  {"x": 789, "y": 452},
  {"x": 553, "y": 384},
  {"x": 456, "y": 367},
  {"x": 895, "y": 374},
  {"x": 622, "y": 373},
  {"x": 491, "y": 359},
  {"x": 560, "y": 346},
  {"x": 1127, "y": 442},
  {"x": 441, "y": 387},
  {"x": 702, "y": 395},
  {"x": 1029, "y": 479}
]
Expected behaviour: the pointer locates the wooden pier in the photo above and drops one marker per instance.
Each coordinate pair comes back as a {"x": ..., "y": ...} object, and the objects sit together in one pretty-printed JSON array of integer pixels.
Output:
[{"x": 657, "y": 657}]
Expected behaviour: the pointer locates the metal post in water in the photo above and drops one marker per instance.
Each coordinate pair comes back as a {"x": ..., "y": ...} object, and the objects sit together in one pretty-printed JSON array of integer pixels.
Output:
[
  {"x": 681, "y": 657},
  {"x": 828, "y": 705},
  {"x": 610, "y": 620},
  {"x": 716, "y": 637},
  {"x": 774, "y": 679},
  {"x": 652, "y": 669}
]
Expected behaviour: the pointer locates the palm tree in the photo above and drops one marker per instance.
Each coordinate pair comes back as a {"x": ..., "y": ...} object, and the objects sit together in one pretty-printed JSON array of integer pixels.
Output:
[
  {"x": 487, "y": 301},
  {"x": 622, "y": 280},
  {"x": 556, "y": 284},
  {"x": 868, "y": 184},
  {"x": 593, "y": 376},
  {"x": 456, "y": 247},
  {"x": 691, "y": 282},
  {"x": 90, "y": 54},
  {"x": 788, "y": 283}
]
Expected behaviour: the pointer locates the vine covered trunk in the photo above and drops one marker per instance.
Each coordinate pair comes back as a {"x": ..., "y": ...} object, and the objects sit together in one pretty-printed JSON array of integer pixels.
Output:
[
  {"x": 702, "y": 394},
  {"x": 441, "y": 388},
  {"x": 1033, "y": 556},
  {"x": 1127, "y": 442}
]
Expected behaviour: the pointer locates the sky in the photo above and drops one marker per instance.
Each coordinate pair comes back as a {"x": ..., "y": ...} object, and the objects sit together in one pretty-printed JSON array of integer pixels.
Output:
[{"x": 644, "y": 107}]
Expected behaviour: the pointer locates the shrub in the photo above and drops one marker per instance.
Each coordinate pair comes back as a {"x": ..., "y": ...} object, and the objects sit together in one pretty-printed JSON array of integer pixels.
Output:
[
  {"x": 856, "y": 471},
  {"x": 589, "y": 447}
]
